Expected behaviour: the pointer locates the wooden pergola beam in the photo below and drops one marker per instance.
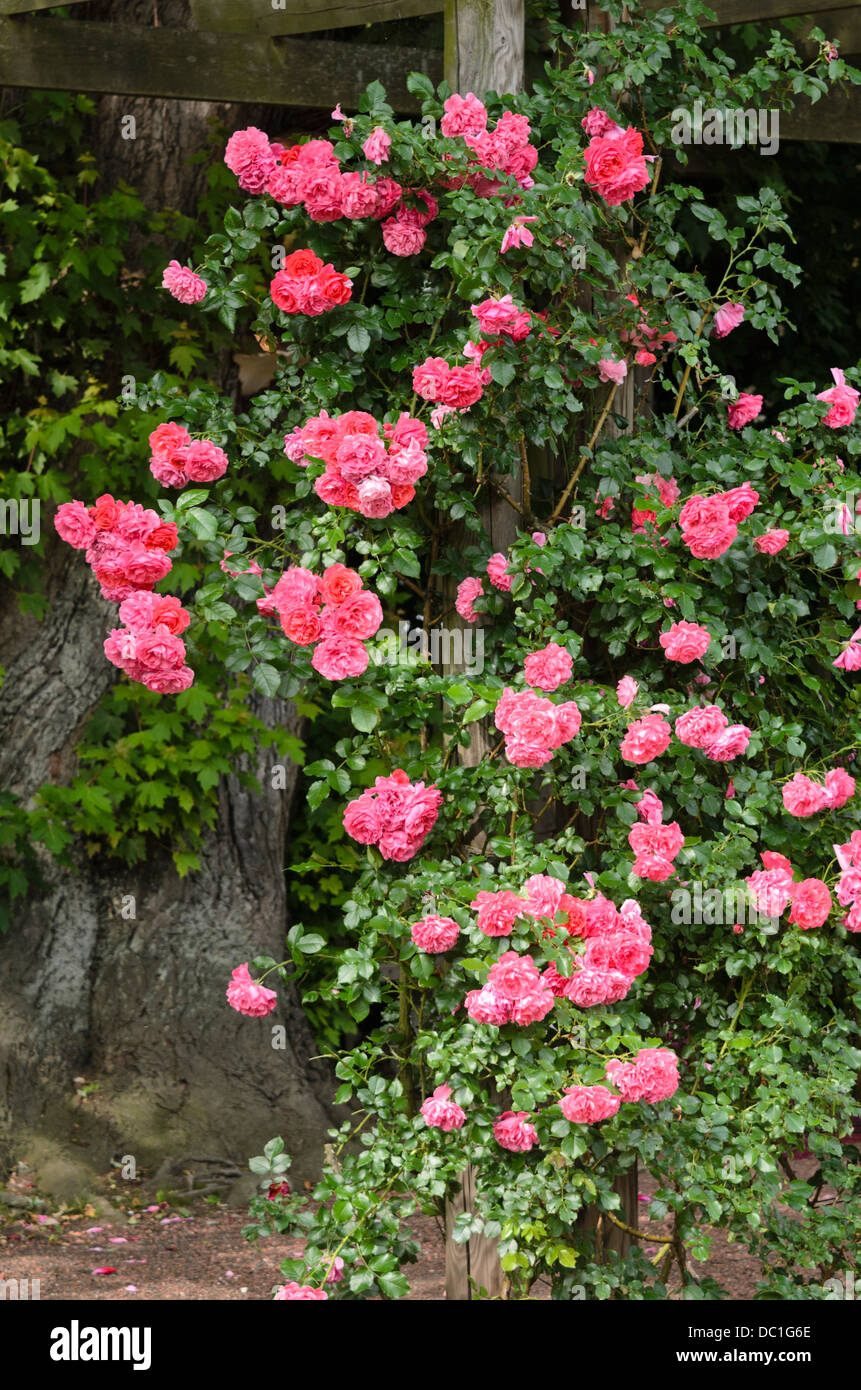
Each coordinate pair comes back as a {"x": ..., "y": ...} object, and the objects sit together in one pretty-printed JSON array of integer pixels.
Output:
[
  {"x": 82, "y": 56},
  {"x": 757, "y": 11},
  {"x": 298, "y": 16}
]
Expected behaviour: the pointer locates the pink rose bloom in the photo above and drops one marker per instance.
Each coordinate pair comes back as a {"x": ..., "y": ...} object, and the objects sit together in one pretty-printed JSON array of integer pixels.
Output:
[
  {"x": 496, "y": 567},
  {"x": 435, "y": 934},
  {"x": 698, "y": 727},
  {"x": 707, "y": 527},
  {"x": 611, "y": 370},
  {"x": 771, "y": 890},
  {"x": 850, "y": 657},
  {"x": 376, "y": 147},
  {"x": 362, "y": 820},
  {"x": 590, "y": 986},
  {"x": 742, "y": 411},
  {"x": 586, "y": 1105},
  {"x": 462, "y": 387},
  {"x": 730, "y": 743},
  {"x": 74, "y": 525},
  {"x": 811, "y": 904},
  {"x": 403, "y": 238},
  {"x": 839, "y": 787},
  {"x": 513, "y": 976},
  {"x": 486, "y": 1006},
  {"x": 358, "y": 616},
  {"x": 644, "y": 358},
  {"x": 169, "y": 682},
  {"x": 548, "y": 668},
  {"x": 296, "y": 586},
  {"x": 597, "y": 122},
  {"x": 339, "y": 658},
  {"x": 626, "y": 691},
  {"x": 429, "y": 378},
  {"x": 665, "y": 840},
  {"x": 336, "y": 1273},
  {"x": 770, "y": 542},
  {"x": 497, "y": 316},
  {"x": 532, "y": 1007},
  {"x": 615, "y": 166},
  {"x": 203, "y": 461},
  {"x": 294, "y": 1292},
  {"x": 852, "y": 920},
  {"x": 543, "y": 894},
  {"x": 360, "y": 455},
  {"x": 468, "y": 590},
  {"x": 498, "y": 912},
  {"x": 803, "y": 797},
  {"x": 143, "y": 568},
  {"x": 182, "y": 283},
  {"x": 511, "y": 1131},
  {"x": 339, "y": 582},
  {"x": 463, "y": 115},
  {"x": 843, "y": 400},
  {"x": 375, "y": 498},
  {"x": 728, "y": 317},
  {"x": 441, "y": 1113},
  {"x": 247, "y": 997},
  {"x": 740, "y": 502},
  {"x": 650, "y": 808},
  {"x": 657, "y": 1070},
  {"x": 685, "y": 642},
  {"x": 300, "y": 622},
  {"x": 518, "y": 234},
  {"x": 646, "y": 739},
  {"x": 623, "y": 951},
  {"x": 248, "y": 155}
]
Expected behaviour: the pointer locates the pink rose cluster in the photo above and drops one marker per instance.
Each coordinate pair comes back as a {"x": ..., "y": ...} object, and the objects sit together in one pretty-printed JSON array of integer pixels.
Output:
[
  {"x": 334, "y": 615},
  {"x": 842, "y": 399},
  {"x": 515, "y": 992},
  {"x": 396, "y": 815},
  {"x": 653, "y": 1075},
  {"x": 368, "y": 474},
  {"x": 248, "y": 997},
  {"x": 534, "y": 727},
  {"x": 126, "y": 547},
  {"x": 310, "y": 176},
  {"x": 667, "y": 490},
  {"x": 615, "y": 164},
  {"x": 304, "y": 285},
  {"x": 707, "y": 728},
  {"x": 452, "y": 388},
  {"x": 804, "y": 797},
  {"x": 772, "y": 888},
  {"x": 177, "y": 459},
  {"x": 440, "y": 1112},
  {"x": 710, "y": 524},
  {"x": 655, "y": 844},
  {"x": 182, "y": 283},
  {"x": 504, "y": 151},
  {"x": 501, "y": 318},
  {"x": 849, "y": 885},
  {"x": 434, "y": 934},
  {"x": 149, "y": 648}
]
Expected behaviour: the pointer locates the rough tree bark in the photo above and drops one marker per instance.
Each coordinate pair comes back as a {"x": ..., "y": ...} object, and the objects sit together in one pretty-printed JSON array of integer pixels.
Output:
[{"x": 137, "y": 1006}]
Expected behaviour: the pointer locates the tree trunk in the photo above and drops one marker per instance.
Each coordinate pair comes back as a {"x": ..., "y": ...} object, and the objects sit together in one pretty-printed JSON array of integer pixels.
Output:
[{"x": 136, "y": 1004}]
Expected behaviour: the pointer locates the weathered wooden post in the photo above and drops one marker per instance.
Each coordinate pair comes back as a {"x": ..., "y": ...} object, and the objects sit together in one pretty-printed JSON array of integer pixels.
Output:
[{"x": 484, "y": 49}]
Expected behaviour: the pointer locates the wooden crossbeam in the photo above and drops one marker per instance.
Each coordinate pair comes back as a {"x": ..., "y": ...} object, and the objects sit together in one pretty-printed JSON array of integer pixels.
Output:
[
  {"x": 82, "y": 56},
  {"x": 298, "y": 16}
]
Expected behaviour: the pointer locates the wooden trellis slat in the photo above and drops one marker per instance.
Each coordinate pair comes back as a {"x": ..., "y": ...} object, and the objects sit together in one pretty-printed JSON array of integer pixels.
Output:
[
  {"x": 755, "y": 11},
  {"x": 298, "y": 16},
  {"x": 81, "y": 56}
]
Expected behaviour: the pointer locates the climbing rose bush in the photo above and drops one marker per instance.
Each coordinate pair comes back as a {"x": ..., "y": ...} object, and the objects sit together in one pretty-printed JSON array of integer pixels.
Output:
[{"x": 607, "y": 886}]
